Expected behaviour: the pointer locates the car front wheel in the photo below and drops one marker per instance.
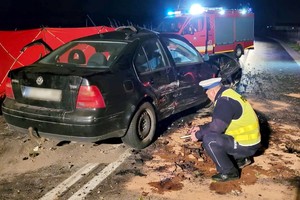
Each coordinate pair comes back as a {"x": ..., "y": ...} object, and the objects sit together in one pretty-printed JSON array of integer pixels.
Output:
[
  {"x": 142, "y": 127},
  {"x": 239, "y": 51}
]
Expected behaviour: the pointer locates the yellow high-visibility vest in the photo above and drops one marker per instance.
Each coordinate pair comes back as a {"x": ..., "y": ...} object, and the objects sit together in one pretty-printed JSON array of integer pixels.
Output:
[{"x": 244, "y": 130}]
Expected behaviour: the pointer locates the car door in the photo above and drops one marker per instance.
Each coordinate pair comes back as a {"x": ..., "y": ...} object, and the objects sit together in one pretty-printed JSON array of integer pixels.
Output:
[
  {"x": 157, "y": 76},
  {"x": 190, "y": 69}
]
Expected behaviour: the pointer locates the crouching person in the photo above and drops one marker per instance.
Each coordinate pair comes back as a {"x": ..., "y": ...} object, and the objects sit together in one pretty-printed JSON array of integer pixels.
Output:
[{"x": 232, "y": 137}]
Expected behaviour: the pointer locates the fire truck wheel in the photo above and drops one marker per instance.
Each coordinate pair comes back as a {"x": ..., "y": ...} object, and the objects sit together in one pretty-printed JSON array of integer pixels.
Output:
[{"x": 239, "y": 51}]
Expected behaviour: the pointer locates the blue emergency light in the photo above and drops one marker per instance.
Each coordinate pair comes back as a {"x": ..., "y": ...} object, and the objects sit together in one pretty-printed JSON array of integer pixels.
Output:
[
  {"x": 177, "y": 12},
  {"x": 222, "y": 11},
  {"x": 196, "y": 9},
  {"x": 243, "y": 11}
]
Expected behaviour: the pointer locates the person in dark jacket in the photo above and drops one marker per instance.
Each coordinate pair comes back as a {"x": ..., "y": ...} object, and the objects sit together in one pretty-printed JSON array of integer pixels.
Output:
[{"x": 233, "y": 136}]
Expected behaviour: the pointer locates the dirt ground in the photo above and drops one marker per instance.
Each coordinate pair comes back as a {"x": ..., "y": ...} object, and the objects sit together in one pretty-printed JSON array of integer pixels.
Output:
[{"x": 171, "y": 168}]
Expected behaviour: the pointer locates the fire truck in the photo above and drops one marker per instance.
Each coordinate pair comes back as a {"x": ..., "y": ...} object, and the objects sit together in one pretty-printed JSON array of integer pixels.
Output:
[{"x": 213, "y": 30}]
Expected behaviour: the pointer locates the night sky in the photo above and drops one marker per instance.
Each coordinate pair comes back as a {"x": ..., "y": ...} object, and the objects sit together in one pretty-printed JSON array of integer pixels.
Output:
[{"x": 25, "y": 14}]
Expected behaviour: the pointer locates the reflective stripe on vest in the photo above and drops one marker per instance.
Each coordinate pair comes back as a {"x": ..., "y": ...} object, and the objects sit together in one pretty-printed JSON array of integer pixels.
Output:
[{"x": 245, "y": 130}]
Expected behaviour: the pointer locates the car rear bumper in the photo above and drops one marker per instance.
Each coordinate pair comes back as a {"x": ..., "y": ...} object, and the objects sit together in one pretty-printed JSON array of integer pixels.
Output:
[
  {"x": 88, "y": 129},
  {"x": 63, "y": 137}
]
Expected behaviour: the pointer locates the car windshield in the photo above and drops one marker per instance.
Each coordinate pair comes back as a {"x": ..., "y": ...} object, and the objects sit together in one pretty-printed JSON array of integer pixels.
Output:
[
  {"x": 171, "y": 24},
  {"x": 96, "y": 54}
]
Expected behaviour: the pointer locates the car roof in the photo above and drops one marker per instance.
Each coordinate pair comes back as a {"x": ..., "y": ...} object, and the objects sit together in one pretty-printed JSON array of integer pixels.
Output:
[{"x": 127, "y": 34}]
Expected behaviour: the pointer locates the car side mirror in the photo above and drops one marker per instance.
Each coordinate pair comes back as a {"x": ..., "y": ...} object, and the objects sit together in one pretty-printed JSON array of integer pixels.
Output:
[
  {"x": 205, "y": 57},
  {"x": 191, "y": 31}
]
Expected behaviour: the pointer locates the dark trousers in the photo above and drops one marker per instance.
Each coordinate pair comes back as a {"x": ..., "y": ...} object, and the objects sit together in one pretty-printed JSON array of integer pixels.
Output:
[{"x": 223, "y": 150}]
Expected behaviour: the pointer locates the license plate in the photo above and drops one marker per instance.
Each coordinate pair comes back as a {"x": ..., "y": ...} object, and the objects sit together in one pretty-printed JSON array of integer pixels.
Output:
[{"x": 43, "y": 94}]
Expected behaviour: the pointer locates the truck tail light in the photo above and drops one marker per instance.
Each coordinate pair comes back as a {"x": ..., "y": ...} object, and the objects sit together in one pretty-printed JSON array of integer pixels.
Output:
[
  {"x": 90, "y": 97},
  {"x": 9, "y": 90}
]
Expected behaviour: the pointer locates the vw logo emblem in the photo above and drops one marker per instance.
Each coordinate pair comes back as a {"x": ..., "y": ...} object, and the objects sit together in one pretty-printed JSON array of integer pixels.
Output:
[{"x": 39, "y": 80}]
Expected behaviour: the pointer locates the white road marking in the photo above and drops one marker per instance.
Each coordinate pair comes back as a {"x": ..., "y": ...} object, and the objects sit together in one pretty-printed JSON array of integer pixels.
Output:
[
  {"x": 64, "y": 186},
  {"x": 93, "y": 183}
]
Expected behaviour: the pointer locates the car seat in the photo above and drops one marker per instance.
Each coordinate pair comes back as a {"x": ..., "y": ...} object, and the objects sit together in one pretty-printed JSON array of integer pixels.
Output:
[
  {"x": 76, "y": 56},
  {"x": 141, "y": 63},
  {"x": 112, "y": 57},
  {"x": 97, "y": 59}
]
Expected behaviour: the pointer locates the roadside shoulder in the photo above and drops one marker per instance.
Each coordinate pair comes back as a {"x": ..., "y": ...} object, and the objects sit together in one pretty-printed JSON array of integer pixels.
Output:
[{"x": 294, "y": 54}]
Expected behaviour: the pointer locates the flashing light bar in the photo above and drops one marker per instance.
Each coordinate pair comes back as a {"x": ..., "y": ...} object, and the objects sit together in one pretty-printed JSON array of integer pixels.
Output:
[{"x": 197, "y": 9}]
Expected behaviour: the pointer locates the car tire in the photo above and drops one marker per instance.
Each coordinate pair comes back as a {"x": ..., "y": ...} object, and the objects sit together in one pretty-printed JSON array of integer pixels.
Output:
[
  {"x": 142, "y": 127},
  {"x": 239, "y": 51}
]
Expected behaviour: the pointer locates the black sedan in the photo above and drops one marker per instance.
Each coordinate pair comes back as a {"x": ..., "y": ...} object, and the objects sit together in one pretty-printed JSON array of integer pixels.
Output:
[{"x": 116, "y": 84}]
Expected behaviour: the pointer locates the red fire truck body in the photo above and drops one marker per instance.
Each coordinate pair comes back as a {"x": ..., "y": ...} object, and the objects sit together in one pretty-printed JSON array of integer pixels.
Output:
[{"x": 214, "y": 30}]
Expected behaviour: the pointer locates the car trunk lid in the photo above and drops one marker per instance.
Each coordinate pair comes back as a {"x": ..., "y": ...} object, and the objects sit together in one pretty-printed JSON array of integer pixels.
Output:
[{"x": 49, "y": 87}]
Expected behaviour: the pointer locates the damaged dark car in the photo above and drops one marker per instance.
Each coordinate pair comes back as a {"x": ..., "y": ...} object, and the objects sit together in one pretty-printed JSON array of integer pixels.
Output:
[{"x": 112, "y": 85}]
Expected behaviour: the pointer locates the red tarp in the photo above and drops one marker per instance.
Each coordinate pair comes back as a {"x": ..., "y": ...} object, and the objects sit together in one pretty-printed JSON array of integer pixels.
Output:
[{"x": 12, "y": 42}]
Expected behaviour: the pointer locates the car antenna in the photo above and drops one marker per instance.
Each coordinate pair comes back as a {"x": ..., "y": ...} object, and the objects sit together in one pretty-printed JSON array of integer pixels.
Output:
[
  {"x": 111, "y": 23},
  {"x": 95, "y": 26},
  {"x": 178, "y": 6}
]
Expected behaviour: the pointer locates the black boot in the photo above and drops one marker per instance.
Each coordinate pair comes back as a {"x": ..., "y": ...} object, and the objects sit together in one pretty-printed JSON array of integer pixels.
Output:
[
  {"x": 233, "y": 175},
  {"x": 243, "y": 162}
]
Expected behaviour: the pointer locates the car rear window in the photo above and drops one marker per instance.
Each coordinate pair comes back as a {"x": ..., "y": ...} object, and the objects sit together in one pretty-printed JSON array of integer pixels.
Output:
[{"x": 100, "y": 54}]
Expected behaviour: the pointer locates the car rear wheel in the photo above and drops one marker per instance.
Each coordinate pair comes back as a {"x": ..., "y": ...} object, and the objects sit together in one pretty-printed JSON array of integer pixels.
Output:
[{"x": 142, "y": 127}]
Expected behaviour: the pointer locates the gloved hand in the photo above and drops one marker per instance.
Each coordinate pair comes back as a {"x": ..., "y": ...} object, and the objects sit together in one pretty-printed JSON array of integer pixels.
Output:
[{"x": 193, "y": 132}]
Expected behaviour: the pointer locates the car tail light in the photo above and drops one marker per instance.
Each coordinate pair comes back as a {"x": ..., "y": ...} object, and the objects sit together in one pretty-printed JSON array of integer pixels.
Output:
[
  {"x": 90, "y": 97},
  {"x": 9, "y": 90}
]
